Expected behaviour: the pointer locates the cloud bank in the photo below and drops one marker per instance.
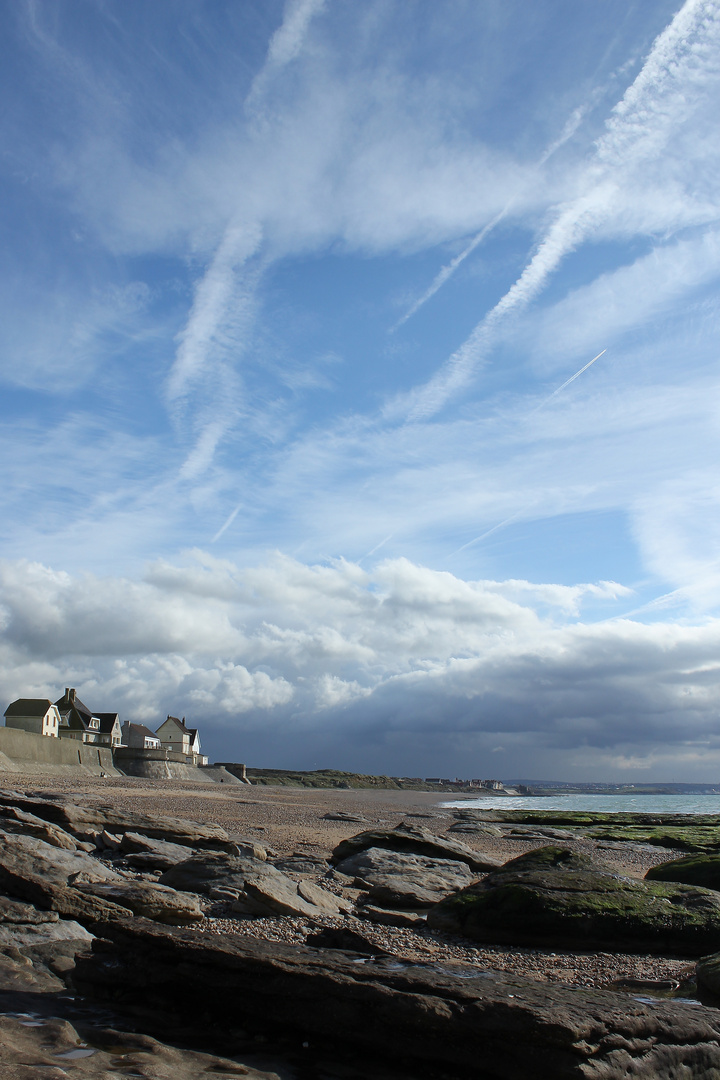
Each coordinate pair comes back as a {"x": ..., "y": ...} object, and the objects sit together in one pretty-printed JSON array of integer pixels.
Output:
[{"x": 387, "y": 668}]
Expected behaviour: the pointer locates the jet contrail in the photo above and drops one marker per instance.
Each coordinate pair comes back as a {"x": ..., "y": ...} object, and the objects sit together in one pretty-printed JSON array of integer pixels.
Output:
[
  {"x": 227, "y": 524},
  {"x": 517, "y": 513},
  {"x": 568, "y": 381}
]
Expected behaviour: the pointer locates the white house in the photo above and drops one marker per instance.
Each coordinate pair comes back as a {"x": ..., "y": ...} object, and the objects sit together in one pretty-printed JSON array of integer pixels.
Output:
[
  {"x": 38, "y": 715},
  {"x": 183, "y": 740}
]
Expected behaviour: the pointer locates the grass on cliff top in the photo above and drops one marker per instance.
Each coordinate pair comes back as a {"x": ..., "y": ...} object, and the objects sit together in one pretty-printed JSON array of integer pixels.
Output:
[{"x": 335, "y": 778}]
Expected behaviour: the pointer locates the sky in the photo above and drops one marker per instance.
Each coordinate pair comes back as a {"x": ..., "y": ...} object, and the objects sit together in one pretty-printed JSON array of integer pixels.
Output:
[{"x": 360, "y": 378}]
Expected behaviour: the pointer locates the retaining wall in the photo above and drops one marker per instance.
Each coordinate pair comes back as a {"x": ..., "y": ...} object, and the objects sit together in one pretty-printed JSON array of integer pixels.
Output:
[{"x": 23, "y": 751}]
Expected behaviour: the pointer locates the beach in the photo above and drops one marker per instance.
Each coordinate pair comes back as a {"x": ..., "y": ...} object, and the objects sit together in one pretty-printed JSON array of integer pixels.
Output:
[{"x": 286, "y": 820}]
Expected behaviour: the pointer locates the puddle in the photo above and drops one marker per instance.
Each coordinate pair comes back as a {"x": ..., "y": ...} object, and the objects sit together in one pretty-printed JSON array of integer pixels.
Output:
[{"x": 81, "y": 1052}]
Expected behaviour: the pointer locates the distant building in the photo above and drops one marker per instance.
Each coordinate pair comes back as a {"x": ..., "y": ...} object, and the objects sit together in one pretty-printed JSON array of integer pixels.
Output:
[
  {"x": 78, "y": 722},
  {"x": 139, "y": 737},
  {"x": 175, "y": 736},
  {"x": 38, "y": 715}
]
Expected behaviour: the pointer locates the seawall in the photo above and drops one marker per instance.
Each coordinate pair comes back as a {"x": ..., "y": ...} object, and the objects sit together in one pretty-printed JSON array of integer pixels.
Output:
[{"x": 25, "y": 752}]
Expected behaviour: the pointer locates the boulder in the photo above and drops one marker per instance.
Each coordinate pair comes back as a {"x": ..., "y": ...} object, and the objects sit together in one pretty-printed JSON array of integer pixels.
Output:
[
  {"x": 21, "y": 935},
  {"x": 204, "y": 871},
  {"x": 276, "y": 894},
  {"x": 300, "y": 863},
  {"x": 46, "y": 876},
  {"x": 148, "y": 899},
  {"x": 415, "y": 840},
  {"x": 553, "y": 896},
  {"x": 15, "y": 911},
  {"x": 14, "y": 820},
  {"x": 459, "y": 1022},
  {"x": 703, "y": 870},
  {"x": 406, "y": 881},
  {"x": 90, "y": 819},
  {"x": 707, "y": 973}
]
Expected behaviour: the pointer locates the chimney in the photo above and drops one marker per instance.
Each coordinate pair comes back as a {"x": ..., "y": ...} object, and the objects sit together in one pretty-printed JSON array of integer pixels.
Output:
[{"x": 70, "y": 694}]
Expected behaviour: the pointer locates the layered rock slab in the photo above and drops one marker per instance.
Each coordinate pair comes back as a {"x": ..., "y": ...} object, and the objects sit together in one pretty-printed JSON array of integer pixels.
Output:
[
  {"x": 463, "y": 1021},
  {"x": 553, "y": 896},
  {"x": 415, "y": 840},
  {"x": 405, "y": 881}
]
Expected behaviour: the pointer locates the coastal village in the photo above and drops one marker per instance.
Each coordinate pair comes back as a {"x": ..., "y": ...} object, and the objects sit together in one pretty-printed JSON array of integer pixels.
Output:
[{"x": 70, "y": 718}]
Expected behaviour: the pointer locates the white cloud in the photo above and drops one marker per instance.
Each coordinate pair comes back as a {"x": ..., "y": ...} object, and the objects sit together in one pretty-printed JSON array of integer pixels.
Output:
[{"x": 332, "y": 650}]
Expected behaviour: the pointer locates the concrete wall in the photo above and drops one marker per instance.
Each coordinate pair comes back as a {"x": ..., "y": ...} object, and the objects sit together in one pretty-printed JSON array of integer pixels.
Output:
[{"x": 22, "y": 751}]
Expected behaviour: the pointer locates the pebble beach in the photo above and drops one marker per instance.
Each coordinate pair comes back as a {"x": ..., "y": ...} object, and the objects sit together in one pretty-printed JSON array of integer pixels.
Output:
[{"x": 287, "y": 821}]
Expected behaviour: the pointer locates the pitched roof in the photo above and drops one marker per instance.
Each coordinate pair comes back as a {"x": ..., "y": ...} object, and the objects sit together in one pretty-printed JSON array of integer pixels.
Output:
[
  {"x": 28, "y": 707},
  {"x": 71, "y": 701},
  {"x": 142, "y": 730},
  {"x": 107, "y": 721}
]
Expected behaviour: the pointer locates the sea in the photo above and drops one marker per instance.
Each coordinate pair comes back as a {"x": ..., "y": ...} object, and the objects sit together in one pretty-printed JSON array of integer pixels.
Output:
[{"x": 611, "y": 804}]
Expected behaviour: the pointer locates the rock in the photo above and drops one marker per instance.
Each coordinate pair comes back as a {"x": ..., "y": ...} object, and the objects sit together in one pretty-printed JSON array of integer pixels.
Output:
[
  {"x": 205, "y": 871},
  {"x": 415, "y": 840},
  {"x": 21, "y": 935},
  {"x": 132, "y": 843},
  {"x": 300, "y": 863},
  {"x": 703, "y": 870},
  {"x": 147, "y": 862},
  {"x": 459, "y": 1023},
  {"x": 390, "y": 917},
  {"x": 54, "y": 1046},
  {"x": 109, "y": 840},
  {"x": 276, "y": 894},
  {"x": 707, "y": 973},
  {"x": 90, "y": 819},
  {"x": 343, "y": 815},
  {"x": 406, "y": 881},
  {"x": 555, "y": 897},
  {"x": 474, "y": 828},
  {"x": 14, "y": 820},
  {"x": 323, "y": 899},
  {"x": 46, "y": 876},
  {"x": 153, "y": 901},
  {"x": 14, "y": 911},
  {"x": 341, "y": 937}
]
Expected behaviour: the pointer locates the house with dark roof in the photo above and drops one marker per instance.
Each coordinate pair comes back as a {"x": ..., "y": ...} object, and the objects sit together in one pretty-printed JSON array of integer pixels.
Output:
[
  {"x": 38, "y": 715},
  {"x": 78, "y": 722},
  {"x": 139, "y": 737}
]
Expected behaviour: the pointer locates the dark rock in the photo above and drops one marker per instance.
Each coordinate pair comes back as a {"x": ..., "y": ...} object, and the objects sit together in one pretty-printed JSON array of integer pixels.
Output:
[
  {"x": 460, "y": 1021},
  {"x": 341, "y": 937},
  {"x": 132, "y": 843},
  {"x": 703, "y": 870},
  {"x": 406, "y": 881},
  {"x": 555, "y": 897},
  {"x": 15, "y": 911},
  {"x": 414, "y": 840},
  {"x": 707, "y": 973},
  {"x": 391, "y": 917},
  {"x": 474, "y": 828},
  {"x": 54, "y": 1045},
  {"x": 200, "y": 873}
]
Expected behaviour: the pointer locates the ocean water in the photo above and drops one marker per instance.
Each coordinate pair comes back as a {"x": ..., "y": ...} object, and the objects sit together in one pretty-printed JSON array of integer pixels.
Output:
[{"x": 613, "y": 804}]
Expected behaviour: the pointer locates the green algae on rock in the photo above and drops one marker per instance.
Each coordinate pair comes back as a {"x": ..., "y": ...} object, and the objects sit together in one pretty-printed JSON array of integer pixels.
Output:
[
  {"x": 554, "y": 896},
  {"x": 703, "y": 870}
]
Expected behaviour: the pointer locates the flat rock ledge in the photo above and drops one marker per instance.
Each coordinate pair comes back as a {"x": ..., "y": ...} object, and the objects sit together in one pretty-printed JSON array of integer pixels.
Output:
[{"x": 459, "y": 1020}]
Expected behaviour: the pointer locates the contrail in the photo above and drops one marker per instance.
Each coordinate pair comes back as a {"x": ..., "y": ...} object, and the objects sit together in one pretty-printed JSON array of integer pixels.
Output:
[
  {"x": 227, "y": 524},
  {"x": 377, "y": 547},
  {"x": 502, "y": 524},
  {"x": 447, "y": 271},
  {"x": 571, "y": 126},
  {"x": 567, "y": 382},
  {"x": 483, "y": 536}
]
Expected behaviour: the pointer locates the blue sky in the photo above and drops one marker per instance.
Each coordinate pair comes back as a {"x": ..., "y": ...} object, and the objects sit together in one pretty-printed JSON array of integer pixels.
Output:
[{"x": 293, "y": 297}]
